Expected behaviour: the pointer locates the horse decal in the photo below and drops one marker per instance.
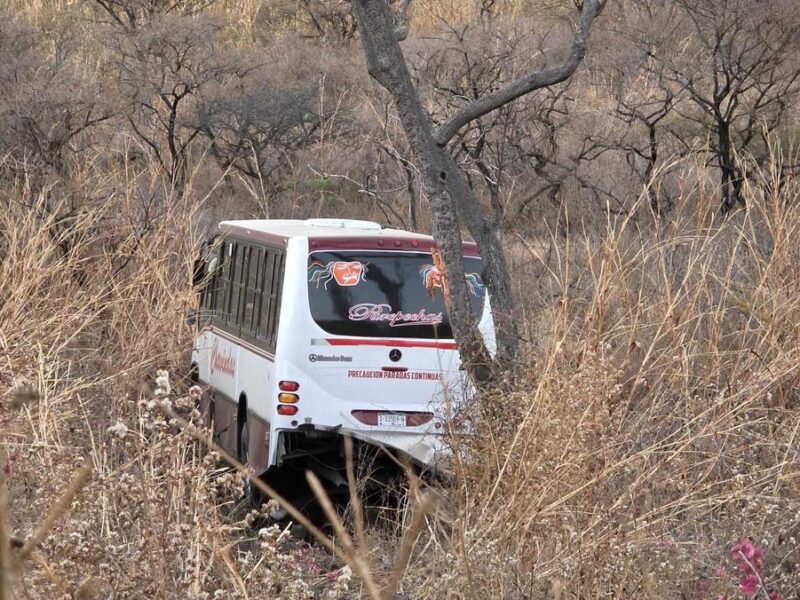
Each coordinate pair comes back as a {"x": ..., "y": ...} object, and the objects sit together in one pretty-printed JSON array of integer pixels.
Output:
[{"x": 433, "y": 278}]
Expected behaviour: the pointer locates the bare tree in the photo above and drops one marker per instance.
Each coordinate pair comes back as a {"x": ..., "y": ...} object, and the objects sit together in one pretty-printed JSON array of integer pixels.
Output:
[
  {"x": 514, "y": 153},
  {"x": 735, "y": 61},
  {"x": 644, "y": 98},
  {"x": 330, "y": 21},
  {"x": 257, "y": 129},
  {"x": 49, "y": 103},
  {"x": 162, "y": 69},
  {"x": 133, "y": 14},
  {"x": 450, "y": 196}
]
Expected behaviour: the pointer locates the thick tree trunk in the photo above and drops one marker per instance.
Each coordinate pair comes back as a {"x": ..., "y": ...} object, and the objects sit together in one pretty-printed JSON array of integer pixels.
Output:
[
  {"x": 496, "y": 274},
  {"x": 441, "y": 179},
  {"x": 451, "y": 197}
]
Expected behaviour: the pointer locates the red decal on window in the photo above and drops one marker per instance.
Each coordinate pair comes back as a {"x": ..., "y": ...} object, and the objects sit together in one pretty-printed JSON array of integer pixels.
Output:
[
  {"x": 344, "y": 273},
  {"x": 433, "y": 278}
]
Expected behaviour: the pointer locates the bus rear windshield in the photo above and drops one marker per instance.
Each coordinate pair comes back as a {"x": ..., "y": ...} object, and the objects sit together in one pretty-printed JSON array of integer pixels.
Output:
[{"x": 385, "y": 294}]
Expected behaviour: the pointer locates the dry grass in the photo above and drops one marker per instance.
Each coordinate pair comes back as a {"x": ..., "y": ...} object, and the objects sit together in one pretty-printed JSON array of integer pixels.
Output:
[
  {"x": 92, "y": 299},
  {"x": 656, "y": 425}
]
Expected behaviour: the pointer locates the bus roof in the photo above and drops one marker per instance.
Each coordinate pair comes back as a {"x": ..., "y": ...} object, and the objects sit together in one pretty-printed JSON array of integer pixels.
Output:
[{"x": 331, "y": 234}]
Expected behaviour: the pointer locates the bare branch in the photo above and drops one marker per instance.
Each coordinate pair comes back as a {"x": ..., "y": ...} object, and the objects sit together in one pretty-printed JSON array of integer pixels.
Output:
[
  {"x": 525, "y": 85},
  {"x": 401, "y": 20}
]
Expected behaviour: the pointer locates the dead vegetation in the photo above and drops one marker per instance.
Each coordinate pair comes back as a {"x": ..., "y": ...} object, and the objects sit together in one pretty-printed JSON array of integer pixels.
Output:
[{"x": 655, "y": 426}]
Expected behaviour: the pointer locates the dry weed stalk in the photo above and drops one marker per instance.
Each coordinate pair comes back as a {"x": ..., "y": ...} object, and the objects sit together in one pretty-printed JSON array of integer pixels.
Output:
[
  {"x": 657, "y": 425},
  {"x": 355, "y": 555},
  {"x": 60, "y": 507}
]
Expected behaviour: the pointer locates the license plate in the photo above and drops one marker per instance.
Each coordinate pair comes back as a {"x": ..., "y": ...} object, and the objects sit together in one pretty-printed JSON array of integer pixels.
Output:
[{"x": 390, "y": 420}]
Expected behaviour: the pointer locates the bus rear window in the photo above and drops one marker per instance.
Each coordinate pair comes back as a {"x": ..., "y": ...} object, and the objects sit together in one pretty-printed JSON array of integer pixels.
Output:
[{"x": 385, "y": 294}]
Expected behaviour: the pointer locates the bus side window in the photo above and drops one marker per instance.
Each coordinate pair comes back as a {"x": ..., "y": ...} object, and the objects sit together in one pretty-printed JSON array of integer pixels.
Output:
[
  {"x": 234, "y": 273},
  {"x": 258, "y": 291},
  {"x": 206, "y": 277},
  {"x": 222, "y": 288},
  {"x": 241, "y": 282},
  {"x": 250, "y": 317},
  {"x": 266, "y": 295},
  {"x": 217, "y": 282},
  {"x": 277, "y": 287}
]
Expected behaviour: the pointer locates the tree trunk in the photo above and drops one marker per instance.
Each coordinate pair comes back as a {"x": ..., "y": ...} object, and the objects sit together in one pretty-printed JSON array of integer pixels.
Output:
[
  {"x": 652, "y": 160},
  {"x": 731, "y": 185},
  {"x": 411, "y": 186},
  {"x": 496, "y": 274},
  {"x": 450, "y": 195},
  {"x": 443, "y": 183}
]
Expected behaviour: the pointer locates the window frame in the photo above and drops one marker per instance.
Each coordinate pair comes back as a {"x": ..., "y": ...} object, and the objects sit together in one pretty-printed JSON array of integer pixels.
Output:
[{"x": 267, "y": 288}]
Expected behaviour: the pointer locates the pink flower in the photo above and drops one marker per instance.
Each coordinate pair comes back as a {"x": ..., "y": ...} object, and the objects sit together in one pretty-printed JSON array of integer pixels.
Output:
[
  {"x": 748, "y": 584},
  {"x": 747, "y": 555},
  {"x": 744, "y": 547},
  {"x": 749, "y": 559},
  {"x": 331, "y": 576}
]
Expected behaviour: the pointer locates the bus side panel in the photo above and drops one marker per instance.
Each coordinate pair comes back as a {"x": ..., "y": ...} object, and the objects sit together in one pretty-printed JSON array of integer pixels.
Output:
[
  {"x": 220, "y": 374},
  {"x": 256, "y": 380},
  {"x": 291, "y": 335}
]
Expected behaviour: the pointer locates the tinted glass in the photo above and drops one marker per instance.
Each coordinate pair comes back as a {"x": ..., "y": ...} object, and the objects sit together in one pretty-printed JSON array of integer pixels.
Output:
[
  {"x": 236, "y": 277},
  {"x": 266, "y": 301},
  {"x": 384, "y": 294}
]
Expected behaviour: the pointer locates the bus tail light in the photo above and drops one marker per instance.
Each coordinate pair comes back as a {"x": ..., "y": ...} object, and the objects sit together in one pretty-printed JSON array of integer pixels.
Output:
[
  {"x": 287, "y": 410},
  {"x": 285, "y": 398},
  {"x": 288, "y": 386}
]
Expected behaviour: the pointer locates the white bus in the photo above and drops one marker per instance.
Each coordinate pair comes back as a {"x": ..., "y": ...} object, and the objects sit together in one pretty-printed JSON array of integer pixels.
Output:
[{"x": 313, "y": 330}]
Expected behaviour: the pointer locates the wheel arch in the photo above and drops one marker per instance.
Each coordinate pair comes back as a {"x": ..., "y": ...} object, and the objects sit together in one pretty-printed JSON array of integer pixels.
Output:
[{"x": 241, "y": 419}]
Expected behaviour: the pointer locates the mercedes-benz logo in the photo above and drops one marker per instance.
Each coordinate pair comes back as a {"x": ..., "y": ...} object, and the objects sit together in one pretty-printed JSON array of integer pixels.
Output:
[{"x": 395, "y": 355}]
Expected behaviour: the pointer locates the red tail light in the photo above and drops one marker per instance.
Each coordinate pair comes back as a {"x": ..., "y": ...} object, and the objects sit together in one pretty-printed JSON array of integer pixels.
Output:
[
  {"x": 288, "y": 386},
  {"x": 287, "y": 410}
]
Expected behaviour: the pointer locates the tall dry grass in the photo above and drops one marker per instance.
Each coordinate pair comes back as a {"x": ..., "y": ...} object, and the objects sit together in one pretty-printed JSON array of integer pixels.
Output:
[
  {"x": 93, "y": 297},
  {"x": 655, "y": 426}
]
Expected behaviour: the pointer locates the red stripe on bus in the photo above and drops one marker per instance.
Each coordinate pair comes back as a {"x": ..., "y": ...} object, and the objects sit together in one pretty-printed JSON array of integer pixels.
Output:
[{"x": 391, "y": 343}]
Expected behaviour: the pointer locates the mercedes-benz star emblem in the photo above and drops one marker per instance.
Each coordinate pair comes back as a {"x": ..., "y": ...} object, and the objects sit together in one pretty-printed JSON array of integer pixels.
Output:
[{"x": 395, "y": 355}]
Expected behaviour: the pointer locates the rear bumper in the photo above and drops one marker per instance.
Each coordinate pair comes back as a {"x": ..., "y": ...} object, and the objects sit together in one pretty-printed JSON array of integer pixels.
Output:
[{"x": 421, "y": 447}]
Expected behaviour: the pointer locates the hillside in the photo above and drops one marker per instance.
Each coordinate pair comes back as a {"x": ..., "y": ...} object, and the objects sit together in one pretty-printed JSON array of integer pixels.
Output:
[{"x": 645, "y": 446}]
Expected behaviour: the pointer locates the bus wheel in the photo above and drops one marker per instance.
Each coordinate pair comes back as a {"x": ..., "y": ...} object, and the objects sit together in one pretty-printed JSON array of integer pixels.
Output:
[
  {"x": 194, "y": 374},
  {"x": 251, "y": 493}
]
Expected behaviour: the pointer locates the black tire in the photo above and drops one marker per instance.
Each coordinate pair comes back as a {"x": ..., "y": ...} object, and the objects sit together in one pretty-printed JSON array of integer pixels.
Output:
[{"x": 251, "y": 493}]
